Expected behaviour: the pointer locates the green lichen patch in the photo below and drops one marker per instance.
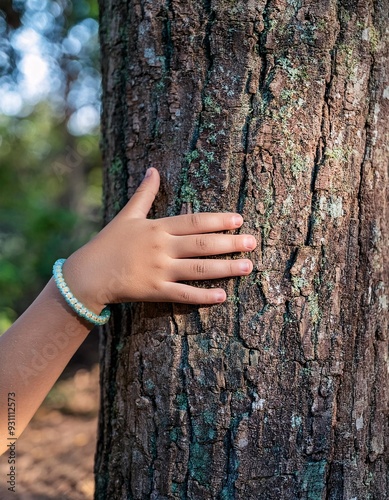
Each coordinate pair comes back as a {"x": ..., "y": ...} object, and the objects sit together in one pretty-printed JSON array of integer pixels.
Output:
[
  {"x": 298, "y": 283},
  {"x": 149, "y": 385},
  {"x": 313, "y": 479},
  {"x": 175, "y": 434},
  {"x": 295, "y": 421},
  {"x": 191, "y": 156},
  {"x": 211, "y": 105},
  {"x": 202, "y": 172},
  {"x": 371, "y": 35},
  {"x": 314, "y": 309},
  {"x": 335, "y": 207},
  {"x": 287, "y": 204},
  {"x": 200, "y": 463},
  {"x": 153, "y": 445},
  {"x": 116, "y": 167},
  {"x": 182, "y": 401},
  {"x": 298, "y": 165},
  {"x": 295, "y": 74},
  {"x": 117, "y": 172},
  {"x": 346, "y": 51},
  {"x": 338, "y": 153},
  {"x": 204, "y": 433},
  {"x": 188, "y": 194},
  {"x": 234, "y": 299},
  {"x": 203, "y": 343},
  {"x": 209, "y": 417},
  {"x": 197, "y": 165},
  {"x": 288, "y": 94}
]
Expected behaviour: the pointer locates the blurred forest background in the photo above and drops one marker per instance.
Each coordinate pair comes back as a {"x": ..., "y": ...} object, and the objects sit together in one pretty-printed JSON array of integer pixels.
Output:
[
  {"x": 50, "y": 204},
  {"x": 50, "y": 172}
]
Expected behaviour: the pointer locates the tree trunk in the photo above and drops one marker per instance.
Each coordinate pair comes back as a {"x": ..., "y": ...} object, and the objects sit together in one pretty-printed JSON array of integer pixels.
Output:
[{"x": 279, "y": 110}]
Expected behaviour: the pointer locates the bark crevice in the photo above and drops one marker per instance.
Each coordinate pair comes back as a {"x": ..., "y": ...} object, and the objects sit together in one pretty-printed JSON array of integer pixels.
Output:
[{"x": 252, "y": 107}]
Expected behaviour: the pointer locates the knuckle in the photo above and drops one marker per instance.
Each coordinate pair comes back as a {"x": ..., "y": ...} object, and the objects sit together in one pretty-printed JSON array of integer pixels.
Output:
[
  {"x": 158, "y": 263},
  {"x": 227, "y": 220},
  {"x": 141, "y": 189},
  {"x": 237, "y": 244},
  {"x": 199, "y": 268},
  {"x": 202, "y": 243},
  {"x": 195, "y": 220},
  {"x": 185, "y": 296}
]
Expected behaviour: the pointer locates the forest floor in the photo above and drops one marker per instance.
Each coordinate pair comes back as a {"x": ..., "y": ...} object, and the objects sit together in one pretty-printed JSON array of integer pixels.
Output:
[{"x": 55, "y": 454}]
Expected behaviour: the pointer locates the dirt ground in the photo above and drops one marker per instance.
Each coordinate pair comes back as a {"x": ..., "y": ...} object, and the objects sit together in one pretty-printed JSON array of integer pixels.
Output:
[{"x": 55, "y": 454}]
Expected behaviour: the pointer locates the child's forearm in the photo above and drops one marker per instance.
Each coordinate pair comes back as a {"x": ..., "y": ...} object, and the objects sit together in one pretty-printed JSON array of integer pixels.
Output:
[
  {"x": 33, "y": 353},
  {"x": 132, "y": 259}
]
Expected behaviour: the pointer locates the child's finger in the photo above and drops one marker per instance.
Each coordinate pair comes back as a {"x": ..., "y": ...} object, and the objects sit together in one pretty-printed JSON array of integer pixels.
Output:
[
  {"x": 140, "y": 203},
  {"x": 202, "y": 223},
  {"x": 186, "y": 294},
  {"x": 208, "y": 269},
  {"x": 211, "y": 244}
]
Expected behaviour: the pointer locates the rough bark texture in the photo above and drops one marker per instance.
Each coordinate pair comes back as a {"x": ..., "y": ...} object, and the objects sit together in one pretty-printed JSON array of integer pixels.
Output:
[{"x": 279, "y": 110}]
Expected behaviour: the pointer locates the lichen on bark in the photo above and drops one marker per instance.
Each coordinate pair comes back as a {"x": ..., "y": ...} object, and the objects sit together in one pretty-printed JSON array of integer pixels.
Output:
[{"x": 277, "y": 109}]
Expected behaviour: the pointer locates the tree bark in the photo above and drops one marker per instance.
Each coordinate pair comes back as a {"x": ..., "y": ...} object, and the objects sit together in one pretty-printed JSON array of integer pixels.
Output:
[{"x": 279, "y": 110}]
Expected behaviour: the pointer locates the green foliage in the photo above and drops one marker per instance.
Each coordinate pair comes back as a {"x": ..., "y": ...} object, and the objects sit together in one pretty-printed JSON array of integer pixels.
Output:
[
  {"x": 49, "y": 205},
  {"x": 50, "y": 180}
]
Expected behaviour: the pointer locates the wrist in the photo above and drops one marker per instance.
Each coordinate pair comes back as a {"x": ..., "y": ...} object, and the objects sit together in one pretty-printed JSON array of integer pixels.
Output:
[
  {"x": 82, "y": 282},
  {"x": 78, "y": 307}
]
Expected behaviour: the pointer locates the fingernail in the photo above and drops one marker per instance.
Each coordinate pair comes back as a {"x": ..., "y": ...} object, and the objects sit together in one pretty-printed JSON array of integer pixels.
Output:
[
  {"x": 245, "y": 267},
  {"x": 249, "y": 243},
  {"x": 149, "y": 172},
  {"x": 220, "y": 296},
  {"x": 238, "y": 220}
]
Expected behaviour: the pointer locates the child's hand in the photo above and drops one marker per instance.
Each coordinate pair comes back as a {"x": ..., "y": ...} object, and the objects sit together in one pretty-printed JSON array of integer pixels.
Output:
[{"x": 137, "y": 259}]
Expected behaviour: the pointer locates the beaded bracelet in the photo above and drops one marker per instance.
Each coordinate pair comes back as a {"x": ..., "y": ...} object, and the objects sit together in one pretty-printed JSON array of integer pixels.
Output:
[{"x": 75, "y": 304}]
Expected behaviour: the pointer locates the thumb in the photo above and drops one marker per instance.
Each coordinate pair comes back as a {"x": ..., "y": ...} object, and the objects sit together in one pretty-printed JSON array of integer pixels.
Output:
[{"x": 143, "y": 198}]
